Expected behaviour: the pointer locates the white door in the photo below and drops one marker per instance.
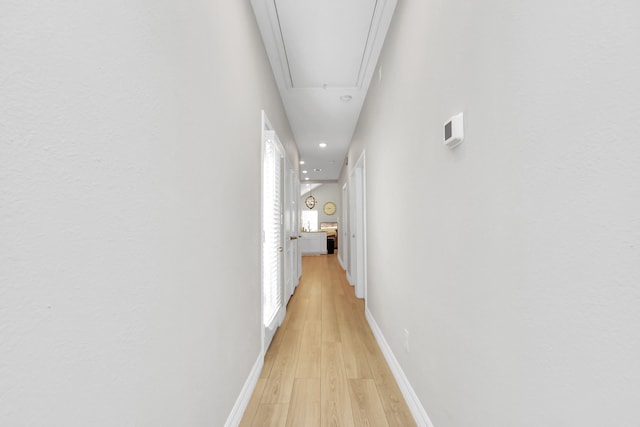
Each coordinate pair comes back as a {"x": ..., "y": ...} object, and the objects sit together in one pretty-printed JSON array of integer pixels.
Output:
[
  {"x": 352, "y": 271},
  {"x": 291, "y": 232},
  {"x": 343, "y": 229},
  {"x": 273, "y": 308},
  {"x": 296, "y": 230},
  {"x": 357, "y": 268}
]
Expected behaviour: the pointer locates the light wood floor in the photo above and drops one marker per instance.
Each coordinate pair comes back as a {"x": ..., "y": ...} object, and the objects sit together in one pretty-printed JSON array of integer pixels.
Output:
[{"x": 324, "y": 367}]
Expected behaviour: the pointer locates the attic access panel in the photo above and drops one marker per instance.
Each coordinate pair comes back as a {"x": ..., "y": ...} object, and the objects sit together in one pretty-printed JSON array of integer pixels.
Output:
[{"x": 325, "y": 41}]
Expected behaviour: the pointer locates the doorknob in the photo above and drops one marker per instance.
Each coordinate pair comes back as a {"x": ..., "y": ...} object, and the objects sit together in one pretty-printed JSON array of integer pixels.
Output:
[
  {"x": 293, "y": 238},
  {"x": 280, "y": 249}
]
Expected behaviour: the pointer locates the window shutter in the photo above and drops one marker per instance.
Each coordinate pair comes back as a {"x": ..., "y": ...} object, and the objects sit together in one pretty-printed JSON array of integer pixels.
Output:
[{"x": 272, "y": 232}]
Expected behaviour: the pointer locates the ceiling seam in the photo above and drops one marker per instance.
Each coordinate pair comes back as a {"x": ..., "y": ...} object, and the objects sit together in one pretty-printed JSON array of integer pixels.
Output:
[
  {"x": 364, "y": 52},
  {"x": 284, "y": 47}
]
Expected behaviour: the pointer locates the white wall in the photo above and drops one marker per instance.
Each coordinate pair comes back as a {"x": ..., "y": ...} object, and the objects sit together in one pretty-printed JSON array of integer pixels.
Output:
[
  {"x": 129, "y": 210},
  {"x": 327, "y": 192},
  {"x": 516, "y": 257}
]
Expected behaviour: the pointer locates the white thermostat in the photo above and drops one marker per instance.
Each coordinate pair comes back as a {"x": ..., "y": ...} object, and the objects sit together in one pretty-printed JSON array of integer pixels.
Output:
[{"x": 453, "y": 131}]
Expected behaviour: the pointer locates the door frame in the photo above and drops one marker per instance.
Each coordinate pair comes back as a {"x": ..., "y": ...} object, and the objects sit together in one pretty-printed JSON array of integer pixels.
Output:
[
  {"x": 343, "y": 228},
  {"x": 291, "y": 222},
  {"x": 358, "y": 218}
]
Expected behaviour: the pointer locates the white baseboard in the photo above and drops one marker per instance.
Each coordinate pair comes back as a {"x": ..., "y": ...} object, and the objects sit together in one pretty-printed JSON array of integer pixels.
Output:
[
  {"x": 415, "y": 406},
  {"x": 349, "y": 279},
  {"x": 245, "y": 394},
  {"x": 340, "y": 261}
]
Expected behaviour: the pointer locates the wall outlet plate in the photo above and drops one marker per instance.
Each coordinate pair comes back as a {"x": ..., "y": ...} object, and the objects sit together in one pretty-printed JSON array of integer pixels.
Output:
[{"x": 454, "y": 131}]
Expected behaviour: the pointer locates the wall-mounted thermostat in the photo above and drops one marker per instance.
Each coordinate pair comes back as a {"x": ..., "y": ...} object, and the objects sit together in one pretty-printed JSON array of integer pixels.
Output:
[{"x": 453, "y": 131}]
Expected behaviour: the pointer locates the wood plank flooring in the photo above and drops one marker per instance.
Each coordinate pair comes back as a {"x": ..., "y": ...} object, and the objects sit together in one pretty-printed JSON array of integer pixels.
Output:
[{"x": 324, "y": 366}]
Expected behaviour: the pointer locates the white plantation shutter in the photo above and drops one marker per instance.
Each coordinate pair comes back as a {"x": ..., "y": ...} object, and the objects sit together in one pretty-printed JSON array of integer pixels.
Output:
[{"x": 272, "y": 225}]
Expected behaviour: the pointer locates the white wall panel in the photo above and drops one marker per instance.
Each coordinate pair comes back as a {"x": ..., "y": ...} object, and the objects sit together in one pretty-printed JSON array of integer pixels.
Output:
[
  {"x": 513, "y": 259},
  {"x": 130, "y": 210}
]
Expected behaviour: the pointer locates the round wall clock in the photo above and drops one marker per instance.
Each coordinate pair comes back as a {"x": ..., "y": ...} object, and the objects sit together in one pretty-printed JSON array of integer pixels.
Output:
[
  {"x": 310, "y": 202},
  {"x": 329, "y": 208}
]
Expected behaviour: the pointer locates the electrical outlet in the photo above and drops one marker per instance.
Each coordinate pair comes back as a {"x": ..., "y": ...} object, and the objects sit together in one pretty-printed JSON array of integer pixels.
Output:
[{"x": 406, "y": 340}]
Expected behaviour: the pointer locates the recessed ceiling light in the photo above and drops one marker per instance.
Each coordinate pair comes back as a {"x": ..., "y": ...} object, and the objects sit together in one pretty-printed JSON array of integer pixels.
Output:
[
  {"x": 305, "y": 172},
  {"x": 302, "y": 162},
  {"x": 322, "y": 144},
  {"x": 346, "y": 98},
  {"x": 306, "y": 179},
  {"x": 317, "y": 170}
]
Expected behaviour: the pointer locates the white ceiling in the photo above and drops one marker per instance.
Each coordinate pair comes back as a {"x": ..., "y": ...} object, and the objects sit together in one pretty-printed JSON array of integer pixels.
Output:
[{"x": 322, "y": 51}]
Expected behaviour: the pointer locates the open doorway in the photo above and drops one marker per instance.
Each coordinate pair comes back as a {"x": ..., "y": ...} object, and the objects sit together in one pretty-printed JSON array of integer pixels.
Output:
[{"x": 321, "y": 207}]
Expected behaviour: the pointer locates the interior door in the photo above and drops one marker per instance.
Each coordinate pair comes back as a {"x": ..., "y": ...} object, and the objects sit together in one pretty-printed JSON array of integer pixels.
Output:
[
  {"x": 291, "y": 232},
  {"x": 352, "y": 271},
  {"x": 357, "y": 229},
  {"x": 343, "y": 229},
  {"x": 273, "y": 309}
]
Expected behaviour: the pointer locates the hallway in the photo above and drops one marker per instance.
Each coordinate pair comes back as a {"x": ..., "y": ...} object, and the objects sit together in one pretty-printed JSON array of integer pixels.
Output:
[{"x": 324, "y": 366}]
